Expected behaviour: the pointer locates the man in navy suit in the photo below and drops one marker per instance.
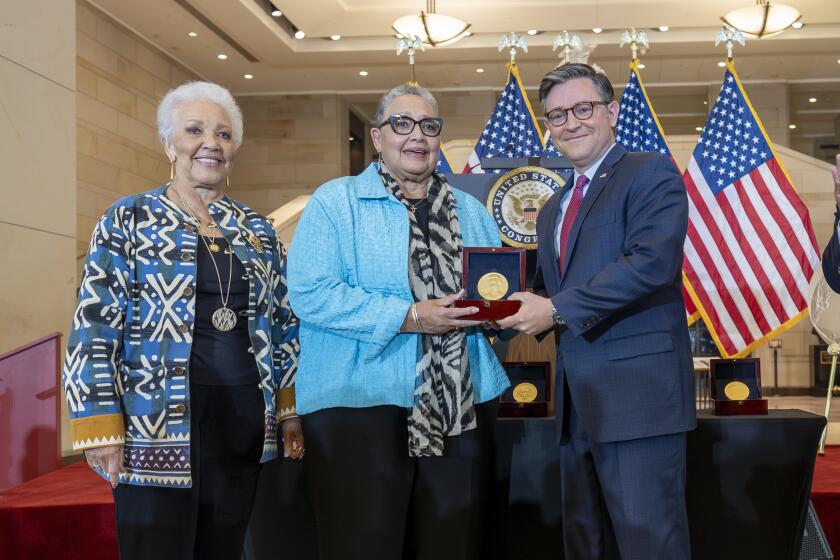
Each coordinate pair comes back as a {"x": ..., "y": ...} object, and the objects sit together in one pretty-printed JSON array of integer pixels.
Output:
[
  {"x": 831, "y": 255},
  {"x": 610, "y": 258}
]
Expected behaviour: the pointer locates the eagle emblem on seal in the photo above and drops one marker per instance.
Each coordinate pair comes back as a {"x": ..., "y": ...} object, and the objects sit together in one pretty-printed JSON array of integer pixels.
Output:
[{"x": 515, "y": 201}]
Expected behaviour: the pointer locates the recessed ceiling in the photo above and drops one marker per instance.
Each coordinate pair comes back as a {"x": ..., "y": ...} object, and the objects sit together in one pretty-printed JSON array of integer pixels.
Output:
[{"x": 684, "y": 56}]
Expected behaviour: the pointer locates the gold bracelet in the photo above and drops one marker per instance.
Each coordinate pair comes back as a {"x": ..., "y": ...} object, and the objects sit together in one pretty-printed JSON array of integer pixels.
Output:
[{"x": 416, "y": 317}]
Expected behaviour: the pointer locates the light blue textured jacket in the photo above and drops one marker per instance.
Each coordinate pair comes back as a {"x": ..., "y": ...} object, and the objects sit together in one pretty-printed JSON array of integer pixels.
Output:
[{"x": 348, "y": 285}]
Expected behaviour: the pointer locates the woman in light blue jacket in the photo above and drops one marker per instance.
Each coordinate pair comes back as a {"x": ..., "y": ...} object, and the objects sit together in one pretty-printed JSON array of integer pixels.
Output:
[{"x": 396, "y": 390}]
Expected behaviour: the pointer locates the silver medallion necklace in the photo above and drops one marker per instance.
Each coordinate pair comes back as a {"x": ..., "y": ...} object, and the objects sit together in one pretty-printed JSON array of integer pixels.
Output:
[{"x": 224, "y": 318}]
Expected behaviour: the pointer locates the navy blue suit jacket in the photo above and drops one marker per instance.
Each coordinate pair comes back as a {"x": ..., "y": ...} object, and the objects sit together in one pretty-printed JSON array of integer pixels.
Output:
[
  {"x": 831, "y": 258},
  {"x": 626, "y": 354}
]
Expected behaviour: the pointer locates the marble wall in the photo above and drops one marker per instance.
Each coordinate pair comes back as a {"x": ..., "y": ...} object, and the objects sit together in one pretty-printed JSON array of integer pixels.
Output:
[
  {"x": 120, "y": 80},
  {"x": 37, "y": 155}
]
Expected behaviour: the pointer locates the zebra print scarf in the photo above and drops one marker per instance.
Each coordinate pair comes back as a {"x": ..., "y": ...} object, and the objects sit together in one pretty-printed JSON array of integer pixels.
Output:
[{"x": 443, "y": 391}]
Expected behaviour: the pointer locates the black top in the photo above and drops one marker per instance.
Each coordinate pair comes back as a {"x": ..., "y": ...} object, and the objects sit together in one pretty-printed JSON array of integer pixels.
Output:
[
  {"x": 421, "y": 212},
  {"x": 217, "y": 357}
]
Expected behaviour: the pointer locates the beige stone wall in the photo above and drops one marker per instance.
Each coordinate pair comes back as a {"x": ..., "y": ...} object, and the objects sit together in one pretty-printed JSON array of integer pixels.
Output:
[
  {"x": 292, "y": 145},
  {"x": 121, "y": 78},
  {"x": 37, "y": 155}
]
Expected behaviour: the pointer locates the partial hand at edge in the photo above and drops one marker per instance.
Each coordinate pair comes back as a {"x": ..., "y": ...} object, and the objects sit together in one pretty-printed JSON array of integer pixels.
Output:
[
  {"x": 293, "y": 438},
  {"x": 108, "y": 459}
]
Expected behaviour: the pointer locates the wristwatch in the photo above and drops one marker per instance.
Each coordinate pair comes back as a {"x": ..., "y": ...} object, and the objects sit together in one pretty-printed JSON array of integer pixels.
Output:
[{"x": 555, "y": 316}]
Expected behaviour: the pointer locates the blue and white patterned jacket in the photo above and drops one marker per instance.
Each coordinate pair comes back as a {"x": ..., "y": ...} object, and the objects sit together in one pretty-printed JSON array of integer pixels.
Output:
[{"x": 126, "y": 373}]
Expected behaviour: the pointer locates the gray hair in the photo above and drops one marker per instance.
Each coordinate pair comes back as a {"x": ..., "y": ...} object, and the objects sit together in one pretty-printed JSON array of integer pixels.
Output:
[
  {"x": 402, "y": 89},
  {"x": 197, "y": 91},
  {"x": 575, "y": 71}
]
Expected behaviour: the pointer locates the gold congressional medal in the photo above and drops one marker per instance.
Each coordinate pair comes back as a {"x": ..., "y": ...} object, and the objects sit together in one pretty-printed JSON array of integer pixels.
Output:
[
  {"x": 525, "y": 393},
  {"x": 492, "y": 286},
  {"x": 255, "y": 243},
  {"x": 736, "y": 391},
  {"x": 214, "y": 247}
]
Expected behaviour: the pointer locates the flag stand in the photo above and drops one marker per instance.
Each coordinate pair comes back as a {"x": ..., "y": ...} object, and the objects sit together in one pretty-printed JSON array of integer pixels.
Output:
[{"x": 834, "y": 350}]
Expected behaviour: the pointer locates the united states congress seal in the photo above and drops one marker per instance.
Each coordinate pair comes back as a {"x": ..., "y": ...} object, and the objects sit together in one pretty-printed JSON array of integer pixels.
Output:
[{"x": 516, "y": 199}]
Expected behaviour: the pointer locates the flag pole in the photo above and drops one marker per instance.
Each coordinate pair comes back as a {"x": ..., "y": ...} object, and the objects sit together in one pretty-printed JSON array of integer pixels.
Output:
[
  {"x": 512, "y": 41},
  {"x": 730, "y": 36},
  {"x": 410, "y": 45},
  {"x": 568, "y": 43},
  {"x": 635, "y": 38}
]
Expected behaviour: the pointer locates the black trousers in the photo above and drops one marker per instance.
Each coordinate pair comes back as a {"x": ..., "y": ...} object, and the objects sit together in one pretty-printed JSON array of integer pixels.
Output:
[
  {"x": 374, "y": 502},
  {"x": 207, "y": 521}
]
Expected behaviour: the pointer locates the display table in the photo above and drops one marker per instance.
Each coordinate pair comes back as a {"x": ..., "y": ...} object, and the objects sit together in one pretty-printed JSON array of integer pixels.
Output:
[
  {"x": 748, "y": 482},
  {"x": 748, "y": 486},
  {"x": 749, "y": 479}
]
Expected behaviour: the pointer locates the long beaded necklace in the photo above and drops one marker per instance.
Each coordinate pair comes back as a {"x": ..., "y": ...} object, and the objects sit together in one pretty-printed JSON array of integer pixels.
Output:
[{"x": 224, "y": 318}]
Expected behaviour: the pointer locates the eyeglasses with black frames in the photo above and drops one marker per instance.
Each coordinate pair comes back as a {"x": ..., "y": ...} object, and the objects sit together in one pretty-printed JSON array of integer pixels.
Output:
[
  {"x": 582, "y": 111},
  {"x": 404, "y": 125}
]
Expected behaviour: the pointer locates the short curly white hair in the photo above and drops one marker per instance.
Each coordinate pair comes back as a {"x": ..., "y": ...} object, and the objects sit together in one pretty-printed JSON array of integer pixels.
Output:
[{"x": 197, "y": 91}]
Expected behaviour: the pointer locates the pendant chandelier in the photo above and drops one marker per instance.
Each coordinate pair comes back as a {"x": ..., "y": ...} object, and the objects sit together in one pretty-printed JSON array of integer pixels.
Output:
[
  {"x": 762, "y": 20},
  {"x": 432, "y": 28}
]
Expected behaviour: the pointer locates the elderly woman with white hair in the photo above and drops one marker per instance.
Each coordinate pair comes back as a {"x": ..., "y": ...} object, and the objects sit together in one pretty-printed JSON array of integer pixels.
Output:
[
  {"x": 183, "y": 350},
  {"x": 396, "y": 389}
]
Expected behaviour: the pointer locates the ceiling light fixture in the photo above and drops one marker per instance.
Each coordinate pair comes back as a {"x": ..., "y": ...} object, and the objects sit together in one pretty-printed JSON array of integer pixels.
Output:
[
  {"x": 276, "y": 13},
  {"x": 432, "y": 28},
  {"x": 812, "y": 100},
  {"x": 363, "y": 73},
  {"x": 221, "y": 56},
  {"x": 597, "y": 29},
  {"x": 797, "y": 25},
  {"x": 762, "y": 20},
  {"x": 722, "y": 64},
  {"x": 664, "y": 28},
  {"x": 791, "y": 126},
  {"x": 532, "y": 32},
  {"x": 335, "y": 37},
  {"x": 698, "y": 128},
  {"x": 248, "y": 76},
  {"x": 468, "y": 34},
  {"x": 641, "y": 65},
  {"x": 299, "y": 34},
  {"x": 480, "y": 70},
  {"x": 192, "y": 34}
]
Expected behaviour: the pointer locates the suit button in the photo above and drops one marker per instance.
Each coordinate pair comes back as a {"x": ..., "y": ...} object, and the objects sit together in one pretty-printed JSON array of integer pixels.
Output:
[
  {"x": 179, "y": 370},
  {"x": 183, "y": 328},
  {"x": 180, "y": 409},
  {"x": 188, "y": 291}
]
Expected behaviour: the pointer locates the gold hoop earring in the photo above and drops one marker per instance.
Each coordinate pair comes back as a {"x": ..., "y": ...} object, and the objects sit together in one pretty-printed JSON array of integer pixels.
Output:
[
  {"x": 172, "y": 171},
  {"x": 227, "y": 181}
]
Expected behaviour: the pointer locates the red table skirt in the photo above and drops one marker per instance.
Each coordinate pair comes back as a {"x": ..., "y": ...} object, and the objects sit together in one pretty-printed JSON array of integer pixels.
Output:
[{"x": 67, "y": 514}]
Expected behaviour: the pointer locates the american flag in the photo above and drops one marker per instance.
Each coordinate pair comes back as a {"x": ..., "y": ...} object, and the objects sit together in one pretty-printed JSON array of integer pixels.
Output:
[
  {"x": 512, "y": 130},
  {"x": 638, "y": 130},
  {"x": 750, "y": 250},
  {"x": 443, "y": 164},
  {"x": 549, "y": 151}
]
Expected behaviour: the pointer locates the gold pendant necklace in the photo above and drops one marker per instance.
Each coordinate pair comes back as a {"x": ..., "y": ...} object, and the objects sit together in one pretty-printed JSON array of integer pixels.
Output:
[
  {"x": 224, "y": 318},
  {"x": 415, "y": 206}
]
